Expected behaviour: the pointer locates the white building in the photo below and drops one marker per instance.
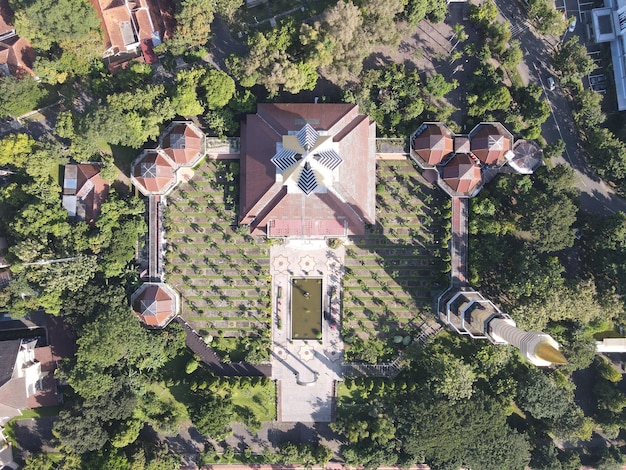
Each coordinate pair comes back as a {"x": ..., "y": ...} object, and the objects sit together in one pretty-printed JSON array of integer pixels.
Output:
[{"x": 609, "y": 25}]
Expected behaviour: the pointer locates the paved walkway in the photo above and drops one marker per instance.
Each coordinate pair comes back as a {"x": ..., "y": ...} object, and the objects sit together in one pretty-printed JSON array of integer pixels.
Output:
[
  {"x": 459, "y": 243},
  {"x": 306, "y": 371},
  {"x": 206, "y": 353}
]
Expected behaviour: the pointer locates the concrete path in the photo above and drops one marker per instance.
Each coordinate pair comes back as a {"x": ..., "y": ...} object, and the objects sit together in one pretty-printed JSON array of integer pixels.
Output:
[
  {"x": 306, "y": 370},
  {"x": 459, "y": 244}
]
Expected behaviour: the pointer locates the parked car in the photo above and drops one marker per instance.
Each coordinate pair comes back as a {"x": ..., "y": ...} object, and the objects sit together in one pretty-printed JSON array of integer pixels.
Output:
[
  {"x": 572, "y": 24},
  {"x": 551, "y": 84}
]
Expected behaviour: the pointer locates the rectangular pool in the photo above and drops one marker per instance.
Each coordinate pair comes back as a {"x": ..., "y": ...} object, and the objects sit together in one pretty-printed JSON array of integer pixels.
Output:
[{"x": 306, "y": 308}]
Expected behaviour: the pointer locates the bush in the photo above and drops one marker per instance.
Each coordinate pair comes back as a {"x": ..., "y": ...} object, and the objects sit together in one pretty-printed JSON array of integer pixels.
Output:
[{"x": 334, "y": 243}]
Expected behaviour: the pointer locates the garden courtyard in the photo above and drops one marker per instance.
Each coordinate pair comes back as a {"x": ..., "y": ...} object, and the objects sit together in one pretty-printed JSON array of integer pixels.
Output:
[{"x": 377, "y": 289}]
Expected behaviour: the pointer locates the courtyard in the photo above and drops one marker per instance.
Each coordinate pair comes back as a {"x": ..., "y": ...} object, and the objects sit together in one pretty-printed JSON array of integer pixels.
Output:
[{"x": 375, "y": 290}]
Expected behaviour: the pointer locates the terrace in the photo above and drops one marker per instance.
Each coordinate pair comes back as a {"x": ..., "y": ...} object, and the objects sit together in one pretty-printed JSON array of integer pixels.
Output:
[
  {"x": 393, "y": 272},
  {"x": 221, "y": 274}
]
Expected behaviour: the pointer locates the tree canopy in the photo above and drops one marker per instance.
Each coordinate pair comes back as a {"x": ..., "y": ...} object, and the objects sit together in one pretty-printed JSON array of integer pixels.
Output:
[
  {"x": 66, "y": 32},
  {"x": 571, "y": 59},
  {"x": 19, "y": 95}
]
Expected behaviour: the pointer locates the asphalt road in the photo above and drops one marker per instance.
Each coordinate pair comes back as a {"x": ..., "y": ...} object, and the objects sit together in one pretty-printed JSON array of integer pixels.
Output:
[{"x": 595, "y": 195}]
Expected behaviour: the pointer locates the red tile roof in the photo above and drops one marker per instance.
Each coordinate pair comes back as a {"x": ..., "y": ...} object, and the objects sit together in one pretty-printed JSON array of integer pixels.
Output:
[
  {"x": 119, "y": 25},
  {"x": 147, "y": 51},
  {"x": 153, "y": 172},
  {"x": 84, "y": 190},
  {"x": 490, "y": 142},
  {"x": 184, "y": 143},
  {"x": 349, "y": 195},
  {"x": 18, "y": 55},
  {"x": 128, "y": 23},
  {"x": 155, "y": 304},
  {"x": 461, "y": 173},
  {"x": 45, "y": 357},
  {"x": 6, "y": 18},
  {"x": 431, "y": 143}
]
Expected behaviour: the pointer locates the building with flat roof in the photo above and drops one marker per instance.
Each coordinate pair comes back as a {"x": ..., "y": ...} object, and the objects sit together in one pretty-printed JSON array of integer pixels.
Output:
[
  {"x": 308, "y": 170},
  {"x": 609, "y": 26}
]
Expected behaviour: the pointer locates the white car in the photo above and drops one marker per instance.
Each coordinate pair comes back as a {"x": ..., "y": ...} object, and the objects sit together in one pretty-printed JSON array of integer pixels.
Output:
[
  {"x": 572, "y": 24},
  {"x": 551, "y": 84}
]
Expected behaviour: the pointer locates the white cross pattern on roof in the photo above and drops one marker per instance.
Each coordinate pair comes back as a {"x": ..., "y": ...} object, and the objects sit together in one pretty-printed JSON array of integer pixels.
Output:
[
  {"x": 307, "y": 160},
  {"x": 148, "y": 170}
]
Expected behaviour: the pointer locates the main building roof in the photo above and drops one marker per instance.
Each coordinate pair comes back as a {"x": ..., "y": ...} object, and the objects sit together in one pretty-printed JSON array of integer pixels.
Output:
[{"x": 308, "y": 170}]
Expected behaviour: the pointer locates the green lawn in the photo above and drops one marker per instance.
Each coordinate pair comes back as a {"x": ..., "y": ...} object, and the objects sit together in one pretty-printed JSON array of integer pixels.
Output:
[{"x": 260, "y": 399}]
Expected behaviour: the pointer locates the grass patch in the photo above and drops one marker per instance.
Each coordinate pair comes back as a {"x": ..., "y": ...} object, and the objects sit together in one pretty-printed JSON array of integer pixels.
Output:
[
  {"x": 260, "y": 399},
  {"x": 123, "y": 157},
  {"x": 515, "y": 77},
  {"x": 161, "y": 409}
]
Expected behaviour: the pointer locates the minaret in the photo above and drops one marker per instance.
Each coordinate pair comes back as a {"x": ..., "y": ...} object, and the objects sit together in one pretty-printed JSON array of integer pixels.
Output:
[{"x": 468, "y": 312}]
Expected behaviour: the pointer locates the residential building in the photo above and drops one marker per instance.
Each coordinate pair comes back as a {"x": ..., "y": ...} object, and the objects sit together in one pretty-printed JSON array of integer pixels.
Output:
[
  {"x": 84, "y": 191},
  {"x": 308, "y": 170},
  {"x": 609, "y": 26},
  {"x": 133, "y": 27},
  {"x": 16, "y": 54},
  {"x": 30, "y": 349}
]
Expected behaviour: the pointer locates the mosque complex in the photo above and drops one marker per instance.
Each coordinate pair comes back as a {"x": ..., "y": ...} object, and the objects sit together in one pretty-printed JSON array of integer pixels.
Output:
[{"x": 308, "y": 174}]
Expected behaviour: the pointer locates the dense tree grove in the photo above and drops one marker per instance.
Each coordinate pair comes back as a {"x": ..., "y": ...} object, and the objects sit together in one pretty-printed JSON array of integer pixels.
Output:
[
  {"x": 413, "y": 420},
  {"x": 546, "y": 18},
  {"x": 19, "y": 95},
  {"x": 398, "y": 100},
  {"x": 66, "y": 33},
  {"x": 39, "y": 231},
  {"x": 572, "y": 61},
  {"x": 291, "y": 57}
]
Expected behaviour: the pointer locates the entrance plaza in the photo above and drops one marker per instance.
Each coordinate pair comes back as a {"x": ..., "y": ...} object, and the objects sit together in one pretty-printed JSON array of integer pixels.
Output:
[{"x": 306, "y": 370}]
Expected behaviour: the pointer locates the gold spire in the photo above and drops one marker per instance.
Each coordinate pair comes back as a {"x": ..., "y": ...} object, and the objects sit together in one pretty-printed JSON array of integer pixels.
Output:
[{"x": 547, "y": 352}]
